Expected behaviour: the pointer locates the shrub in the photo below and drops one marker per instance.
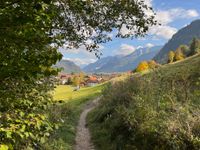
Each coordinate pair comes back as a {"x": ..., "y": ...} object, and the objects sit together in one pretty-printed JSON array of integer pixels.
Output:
[
  {"x": 142, "y": 66},
  {"x": 152, "y": 64},
  {"x": 24, "y": 121}
]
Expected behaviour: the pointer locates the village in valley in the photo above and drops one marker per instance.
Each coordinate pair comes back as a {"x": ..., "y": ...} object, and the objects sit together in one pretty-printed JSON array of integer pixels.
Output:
[{"x": 84, "y": 80}]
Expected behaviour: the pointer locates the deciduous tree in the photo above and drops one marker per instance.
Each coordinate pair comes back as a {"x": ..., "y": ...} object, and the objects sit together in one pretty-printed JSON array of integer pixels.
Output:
[
  {"x": 81, "y": 75},
  {"x": 185, "y": 49},
  {"x": 179, "y": 54},
  {"x": 171, "y": 56},
  {"x": 76, "y": 80},
  {"x": 142, "y": 66}
]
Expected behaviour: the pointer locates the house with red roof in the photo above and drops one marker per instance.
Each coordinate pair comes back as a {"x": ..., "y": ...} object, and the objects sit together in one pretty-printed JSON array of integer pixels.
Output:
[{"x": 92, "y": 81}]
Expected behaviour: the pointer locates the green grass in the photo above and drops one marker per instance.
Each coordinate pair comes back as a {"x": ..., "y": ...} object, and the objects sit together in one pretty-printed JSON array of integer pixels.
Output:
[
  {"x": 69, "y": 111},
  {"x": 156, "y": 109},
  {"x": 66, "y": 93}
]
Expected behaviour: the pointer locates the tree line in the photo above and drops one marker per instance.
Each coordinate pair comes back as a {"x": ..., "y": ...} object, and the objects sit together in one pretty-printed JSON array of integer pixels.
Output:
[
  {"x": 180, "y": 53},
  {"x": 184, "y": 51}
]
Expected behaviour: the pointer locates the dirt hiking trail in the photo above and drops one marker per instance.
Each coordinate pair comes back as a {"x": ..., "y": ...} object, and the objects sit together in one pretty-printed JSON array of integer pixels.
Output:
[{"x": 83, "y": 138}]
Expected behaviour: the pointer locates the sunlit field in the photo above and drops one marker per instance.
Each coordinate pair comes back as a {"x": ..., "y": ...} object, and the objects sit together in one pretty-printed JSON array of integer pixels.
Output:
[{"x": 67, "y": 93}]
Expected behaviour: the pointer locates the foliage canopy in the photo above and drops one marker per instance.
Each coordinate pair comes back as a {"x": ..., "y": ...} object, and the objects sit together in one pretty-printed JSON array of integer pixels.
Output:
[{"x": 31, "y": 32}]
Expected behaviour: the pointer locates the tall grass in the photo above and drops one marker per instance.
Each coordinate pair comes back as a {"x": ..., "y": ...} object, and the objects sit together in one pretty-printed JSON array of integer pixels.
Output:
[{"x": 159, "y": 110}]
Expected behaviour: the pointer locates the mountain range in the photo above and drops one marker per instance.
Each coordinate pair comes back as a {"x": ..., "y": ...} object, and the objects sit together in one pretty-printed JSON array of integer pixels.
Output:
[
  {"x": 120, "y": 63},
  {"x": 68, "y": 66},
  {"x": 183, "y": 36}
]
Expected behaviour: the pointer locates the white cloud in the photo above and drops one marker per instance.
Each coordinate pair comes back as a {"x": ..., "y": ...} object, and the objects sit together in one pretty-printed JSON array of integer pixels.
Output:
[
  {"x": 148, "y": 13},
  {"x": 110, "y": 35},
  {"x": 125, "y": 49},
  {"x": 148, "y": 2},
  {"x": 82, "y": 56},
  {"x": 149, "y": 45},
  {"x": 81, "y": 61},
  {"x": 165, "y": 17},
  {"x": 124, "y": 30},
  {"x": 192, "y": 13},
  {"x": 163, "y": 31},
  {"x": 80, "y": 51}
]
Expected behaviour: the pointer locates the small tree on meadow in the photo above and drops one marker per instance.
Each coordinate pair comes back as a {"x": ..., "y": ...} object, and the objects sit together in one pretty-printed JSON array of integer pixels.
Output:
[
  {"x": 70, "y": 81},
  {"x": 171, "y": 56},
  {"x": 179, "y": 54},
  {"x": 81, "y": 75},
  {"x": 76, "y": 81},
  {"x": 195, "y": 46},
  {"x": 142, "y": 66},
  {"x": 152, "y": 64},
  {"x": 185, "y": 49}
]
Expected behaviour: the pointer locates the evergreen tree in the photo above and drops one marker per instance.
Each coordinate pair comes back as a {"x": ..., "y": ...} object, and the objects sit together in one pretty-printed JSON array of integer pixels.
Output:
[
  {"x": 195, "y": 46},
  {"x": 185, "y": 49}
]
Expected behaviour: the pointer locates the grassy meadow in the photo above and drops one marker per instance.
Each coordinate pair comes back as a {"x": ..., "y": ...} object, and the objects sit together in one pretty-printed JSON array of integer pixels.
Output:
[
  {"x": 66, "y": 113},
  {"x": 154, "y": 110},
  {"x": 65, "y": 93}
]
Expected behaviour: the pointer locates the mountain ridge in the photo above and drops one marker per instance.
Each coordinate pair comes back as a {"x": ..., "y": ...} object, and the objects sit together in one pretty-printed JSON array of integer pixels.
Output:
[
  {"x": 68, "y": 66},
  {"x": 122, "y": 63},
  {"x": 183, "y": 36}
]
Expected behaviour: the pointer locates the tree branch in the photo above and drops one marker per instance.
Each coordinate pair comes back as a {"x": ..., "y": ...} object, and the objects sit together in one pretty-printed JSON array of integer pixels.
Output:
[{"x": 9, "y": 4}]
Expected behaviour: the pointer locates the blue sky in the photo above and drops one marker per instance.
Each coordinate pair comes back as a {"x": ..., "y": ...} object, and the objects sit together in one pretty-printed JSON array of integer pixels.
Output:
[{"x": 172, "y": 14}]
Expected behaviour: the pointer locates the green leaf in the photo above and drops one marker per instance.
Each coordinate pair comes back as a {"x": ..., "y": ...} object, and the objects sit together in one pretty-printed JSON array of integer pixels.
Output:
[
  {"x": 3, "y": 147},
  {"x": 42, "y": 140},
  {"x": 9, "y": 134}
]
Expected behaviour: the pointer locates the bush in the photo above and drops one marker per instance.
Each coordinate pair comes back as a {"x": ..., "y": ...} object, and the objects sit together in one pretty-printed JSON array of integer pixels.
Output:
[
  {"x": 142, "y": 66},
  {"x": 152, "y": 64},
  {"x": 24, "y": 122}
]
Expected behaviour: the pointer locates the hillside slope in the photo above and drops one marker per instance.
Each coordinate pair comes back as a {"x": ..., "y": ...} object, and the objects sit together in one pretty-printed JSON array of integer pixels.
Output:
[
  {"x": 155, "y": 110},
  {"x": 122, "y": 63},
  {"x": 68, "y": 66},
  {"x": 183, "y": 36}
]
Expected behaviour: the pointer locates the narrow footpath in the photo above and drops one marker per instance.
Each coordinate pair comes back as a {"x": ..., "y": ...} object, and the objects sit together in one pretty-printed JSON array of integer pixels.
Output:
[{"x": 83, "y": 138}]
